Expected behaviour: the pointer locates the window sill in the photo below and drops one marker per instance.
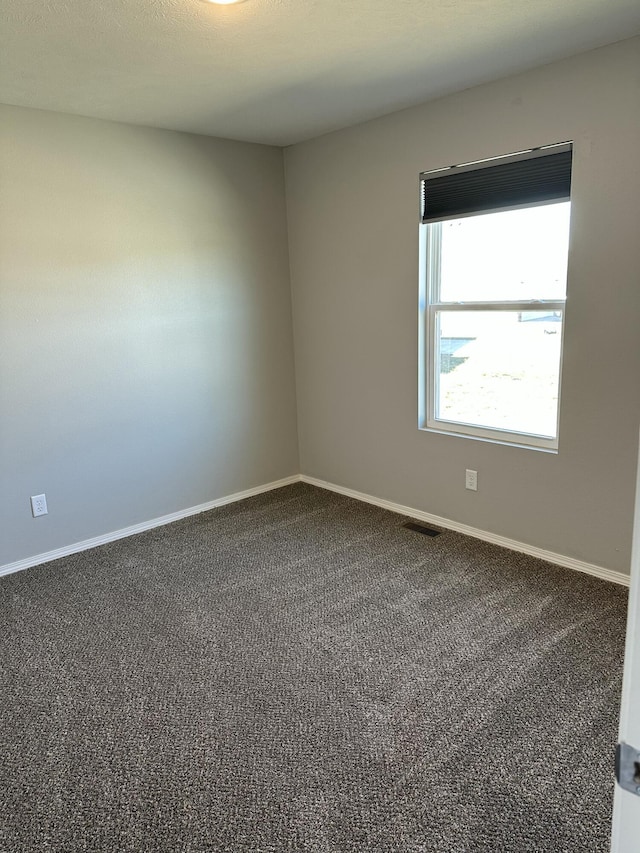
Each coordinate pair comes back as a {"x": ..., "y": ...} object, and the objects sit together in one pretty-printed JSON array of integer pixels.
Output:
[{"x": 507, "y": 440}]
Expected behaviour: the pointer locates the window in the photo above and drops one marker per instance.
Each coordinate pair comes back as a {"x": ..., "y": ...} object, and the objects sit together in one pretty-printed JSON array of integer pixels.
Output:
[{"x": 493, "y": 274}]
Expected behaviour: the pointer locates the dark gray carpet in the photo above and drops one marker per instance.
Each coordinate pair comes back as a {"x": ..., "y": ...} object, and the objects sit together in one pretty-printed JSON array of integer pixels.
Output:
[{"x": 298, "y": 672}]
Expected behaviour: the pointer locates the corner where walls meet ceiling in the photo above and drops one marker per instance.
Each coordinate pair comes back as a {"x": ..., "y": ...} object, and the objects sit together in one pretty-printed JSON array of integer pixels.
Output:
[{"x": 280, "y": 71}]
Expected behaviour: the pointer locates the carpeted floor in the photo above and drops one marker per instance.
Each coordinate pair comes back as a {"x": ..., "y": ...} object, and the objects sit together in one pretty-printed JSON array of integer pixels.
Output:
[{"x": 298, "y": 672}]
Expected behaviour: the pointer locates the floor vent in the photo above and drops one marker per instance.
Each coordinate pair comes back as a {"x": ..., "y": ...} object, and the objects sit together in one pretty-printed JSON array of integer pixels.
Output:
[{"x": 421, "y": 528}]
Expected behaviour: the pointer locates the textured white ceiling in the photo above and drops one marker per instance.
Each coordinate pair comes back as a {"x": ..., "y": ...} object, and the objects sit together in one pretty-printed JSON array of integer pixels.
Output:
[{"x": 279, "y": 71}]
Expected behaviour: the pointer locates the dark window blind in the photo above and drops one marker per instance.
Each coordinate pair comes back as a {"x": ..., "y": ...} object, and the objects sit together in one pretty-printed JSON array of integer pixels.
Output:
[{"x": 499, "y": 185}]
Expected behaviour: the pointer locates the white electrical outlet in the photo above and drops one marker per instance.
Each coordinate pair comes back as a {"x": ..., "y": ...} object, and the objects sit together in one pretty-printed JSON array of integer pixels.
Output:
[
  {"x": 471, "y": 480},
  {"x": 39, "y": 505}
]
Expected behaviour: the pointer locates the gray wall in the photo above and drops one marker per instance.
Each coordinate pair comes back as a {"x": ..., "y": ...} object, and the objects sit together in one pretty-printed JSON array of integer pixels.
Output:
[
  {"x": 146, "y": 360},
  {"x": 352, "y": 201}
]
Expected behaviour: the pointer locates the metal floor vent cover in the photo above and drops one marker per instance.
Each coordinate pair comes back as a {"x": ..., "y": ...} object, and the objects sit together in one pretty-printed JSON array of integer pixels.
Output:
[{"x": 422, "y": 528}]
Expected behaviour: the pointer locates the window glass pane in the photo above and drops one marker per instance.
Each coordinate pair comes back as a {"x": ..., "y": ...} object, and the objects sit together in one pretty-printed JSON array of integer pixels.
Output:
[
  {"x": 499, "y": 369},
  {"x": 514, "y": 255}
]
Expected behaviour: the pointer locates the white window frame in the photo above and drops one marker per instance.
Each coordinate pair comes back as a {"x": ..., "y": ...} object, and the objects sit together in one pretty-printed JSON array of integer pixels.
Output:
[{"x": 428, "y": 365}]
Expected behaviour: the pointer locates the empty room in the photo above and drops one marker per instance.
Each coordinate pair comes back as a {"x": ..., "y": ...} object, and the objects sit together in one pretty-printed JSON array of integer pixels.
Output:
[{"x": 319, "y": 414}]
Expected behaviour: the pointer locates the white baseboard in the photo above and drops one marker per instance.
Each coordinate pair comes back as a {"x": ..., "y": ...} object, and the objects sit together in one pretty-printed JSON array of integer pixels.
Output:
[
  {"x": 512, "y": 544},
  {"x": 86, "y": 544}
]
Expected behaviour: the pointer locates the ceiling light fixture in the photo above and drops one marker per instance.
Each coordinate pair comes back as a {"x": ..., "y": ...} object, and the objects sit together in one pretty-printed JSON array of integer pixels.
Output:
[{"x": 223, "y": 2}]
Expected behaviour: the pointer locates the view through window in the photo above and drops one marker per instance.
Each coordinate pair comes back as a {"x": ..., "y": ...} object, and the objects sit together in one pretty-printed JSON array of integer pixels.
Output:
[{"x": 495, "y": 301}]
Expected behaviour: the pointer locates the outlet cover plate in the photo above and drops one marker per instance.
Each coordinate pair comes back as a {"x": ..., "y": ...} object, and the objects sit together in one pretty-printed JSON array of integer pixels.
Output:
[{"x": 39, "y": 505}]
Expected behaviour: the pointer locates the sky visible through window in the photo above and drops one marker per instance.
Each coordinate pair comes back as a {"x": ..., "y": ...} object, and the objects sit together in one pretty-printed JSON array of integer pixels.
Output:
[{"x": 500, "y": 369}]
